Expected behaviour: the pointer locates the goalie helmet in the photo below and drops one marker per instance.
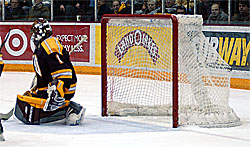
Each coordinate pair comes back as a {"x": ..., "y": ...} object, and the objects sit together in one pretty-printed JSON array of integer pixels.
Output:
[{"x": 40, "y": 30}]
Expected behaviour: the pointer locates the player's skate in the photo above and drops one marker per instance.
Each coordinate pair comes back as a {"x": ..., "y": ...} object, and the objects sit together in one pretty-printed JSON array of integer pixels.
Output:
[
  {"x": 1, "y": 132},
  {"x": 75, "y": 114}
]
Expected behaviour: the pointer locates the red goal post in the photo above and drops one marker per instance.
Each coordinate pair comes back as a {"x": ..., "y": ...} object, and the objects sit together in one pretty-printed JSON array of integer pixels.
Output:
[
  {"x": 144, "y": 72},
  {"x": 104, "y": 21}
]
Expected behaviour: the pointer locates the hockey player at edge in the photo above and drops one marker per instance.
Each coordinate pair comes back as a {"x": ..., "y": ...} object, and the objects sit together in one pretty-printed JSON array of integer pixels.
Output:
[
  {"x": 55, "y": 84},
  {"x": 1, "y": 132}
]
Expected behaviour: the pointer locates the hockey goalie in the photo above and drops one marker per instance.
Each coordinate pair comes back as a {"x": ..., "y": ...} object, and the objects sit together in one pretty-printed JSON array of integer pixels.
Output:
[{"x": 54, "y": 85}]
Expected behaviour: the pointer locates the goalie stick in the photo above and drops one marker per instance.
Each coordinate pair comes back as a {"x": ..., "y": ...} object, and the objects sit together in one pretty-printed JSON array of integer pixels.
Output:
[
  {"x": 84, "y": 38},
  {"x": 1, "y": 55},
  {"x": 6, "y": 116}
]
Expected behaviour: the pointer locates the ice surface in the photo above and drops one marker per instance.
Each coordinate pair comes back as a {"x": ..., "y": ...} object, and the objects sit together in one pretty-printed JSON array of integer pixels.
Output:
[{"x": 100, "y": 131}]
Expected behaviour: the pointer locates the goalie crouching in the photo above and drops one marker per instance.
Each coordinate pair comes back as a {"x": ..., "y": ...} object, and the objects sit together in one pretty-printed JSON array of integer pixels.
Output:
[{"x": 54, "y": 84}]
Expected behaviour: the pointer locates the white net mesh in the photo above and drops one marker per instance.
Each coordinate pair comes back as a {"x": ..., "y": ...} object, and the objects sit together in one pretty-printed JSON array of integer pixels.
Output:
[
  {"x": 204, "y": 97},
  {"x": 139, "y": 72}
]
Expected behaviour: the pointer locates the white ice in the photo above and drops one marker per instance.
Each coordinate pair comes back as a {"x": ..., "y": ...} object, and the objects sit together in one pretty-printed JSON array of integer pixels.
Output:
[{"x": 114, "y": 131}]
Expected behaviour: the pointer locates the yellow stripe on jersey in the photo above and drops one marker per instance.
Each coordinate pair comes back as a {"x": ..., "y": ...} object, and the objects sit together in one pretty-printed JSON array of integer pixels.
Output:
[
  {"x": 64, "y": 73},
  {"x": 52, "y": 45}
]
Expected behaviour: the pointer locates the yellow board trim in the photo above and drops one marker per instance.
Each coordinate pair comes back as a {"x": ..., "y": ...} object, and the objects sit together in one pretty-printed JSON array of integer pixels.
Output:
[
  {"x": 234, "y": 82},
  {"x": 29, "y": 68}
]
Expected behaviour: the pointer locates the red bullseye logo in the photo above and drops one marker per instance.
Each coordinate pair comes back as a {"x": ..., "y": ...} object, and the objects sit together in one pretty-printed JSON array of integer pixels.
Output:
[{"x": 16, "y": 44}]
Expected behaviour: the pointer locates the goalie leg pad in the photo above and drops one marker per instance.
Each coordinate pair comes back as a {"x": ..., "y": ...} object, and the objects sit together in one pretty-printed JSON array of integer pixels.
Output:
[{"x": 28, "y": 111}]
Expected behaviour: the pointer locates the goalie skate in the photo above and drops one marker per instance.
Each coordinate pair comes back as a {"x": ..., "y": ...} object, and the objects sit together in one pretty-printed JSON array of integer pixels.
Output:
[{"x": 75, "y": 114}]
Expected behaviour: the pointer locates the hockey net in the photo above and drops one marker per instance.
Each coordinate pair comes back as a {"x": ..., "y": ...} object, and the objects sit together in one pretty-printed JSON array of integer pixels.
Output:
[{"x": 140, "y": 69}]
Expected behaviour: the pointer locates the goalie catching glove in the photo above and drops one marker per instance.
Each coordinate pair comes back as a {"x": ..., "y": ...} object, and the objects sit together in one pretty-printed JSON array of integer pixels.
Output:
[{"x": 55, "y": 96}]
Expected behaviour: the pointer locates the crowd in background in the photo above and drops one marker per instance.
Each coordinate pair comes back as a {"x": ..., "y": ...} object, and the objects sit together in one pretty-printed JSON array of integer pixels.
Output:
[{"x": 213, "y": 11}]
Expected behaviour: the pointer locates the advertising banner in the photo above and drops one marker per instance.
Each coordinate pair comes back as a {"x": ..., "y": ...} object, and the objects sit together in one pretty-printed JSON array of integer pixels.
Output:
[
  {"x": 19, "y": 46},
  {"x": 233, "y": 47}
]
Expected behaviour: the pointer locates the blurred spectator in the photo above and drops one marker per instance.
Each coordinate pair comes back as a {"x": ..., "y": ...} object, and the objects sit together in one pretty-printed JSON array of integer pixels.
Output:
[
  {"x": 26, "y": 5},
  {"x": 244, "y": 14},
  {"x": 39, "y": 10},
  {"x": 79, "y": 11},
  {"x": 181, "y": 2},
  {"x": 0, "y": 10},
  {"x": 14, "y": 11},
  {"x": 67, "y": 10},
  {"x": 102, "y": 9},
  {"x": 119, "y": 8},
  {"x": 151, "y": 8},
  {"x": 203, "y": 8},
  {"x": 59, "y": 12},
  {"x": 188, "y": 4},
  {"x": 181, "y": 10},
  {"x": 116, "y": 6},
  {"x": 170, "y": 7},
  {"x": 217, "y": 16},
  {"x": 92, "y": 3},
  {"x": 190, "y": 7},
  {"x": 140, "y": 5},
  {"x": 90, "y": 11}
]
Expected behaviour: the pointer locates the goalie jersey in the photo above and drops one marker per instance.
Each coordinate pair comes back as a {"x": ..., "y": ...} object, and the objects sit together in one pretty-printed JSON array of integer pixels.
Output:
[{"x": 52, "y": 61}]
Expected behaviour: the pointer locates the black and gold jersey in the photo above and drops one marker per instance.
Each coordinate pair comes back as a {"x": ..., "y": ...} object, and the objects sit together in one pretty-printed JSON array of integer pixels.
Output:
[{"x": 52, "y": 61}]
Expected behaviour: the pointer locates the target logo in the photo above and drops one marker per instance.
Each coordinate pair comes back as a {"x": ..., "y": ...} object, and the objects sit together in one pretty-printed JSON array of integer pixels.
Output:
[
  {"x": 17, "y": 43},
  {"x": 19, "y": 46}
]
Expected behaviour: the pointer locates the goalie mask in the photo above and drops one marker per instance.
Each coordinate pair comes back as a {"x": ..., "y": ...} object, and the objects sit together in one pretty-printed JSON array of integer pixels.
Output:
[{"x": 40, "y": 30}]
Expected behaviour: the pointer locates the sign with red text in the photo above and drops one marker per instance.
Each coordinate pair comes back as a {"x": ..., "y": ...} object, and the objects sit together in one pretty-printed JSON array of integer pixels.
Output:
[{"x": 20, "y": 47}]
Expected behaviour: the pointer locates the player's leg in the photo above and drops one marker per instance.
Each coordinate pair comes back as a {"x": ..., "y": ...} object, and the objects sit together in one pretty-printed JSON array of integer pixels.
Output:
[{"x": 1, "y": 132}]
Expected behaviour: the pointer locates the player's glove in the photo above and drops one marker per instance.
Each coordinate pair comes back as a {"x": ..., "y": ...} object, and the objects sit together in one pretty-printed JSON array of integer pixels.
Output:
[{"x": 55, "y": 96}]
